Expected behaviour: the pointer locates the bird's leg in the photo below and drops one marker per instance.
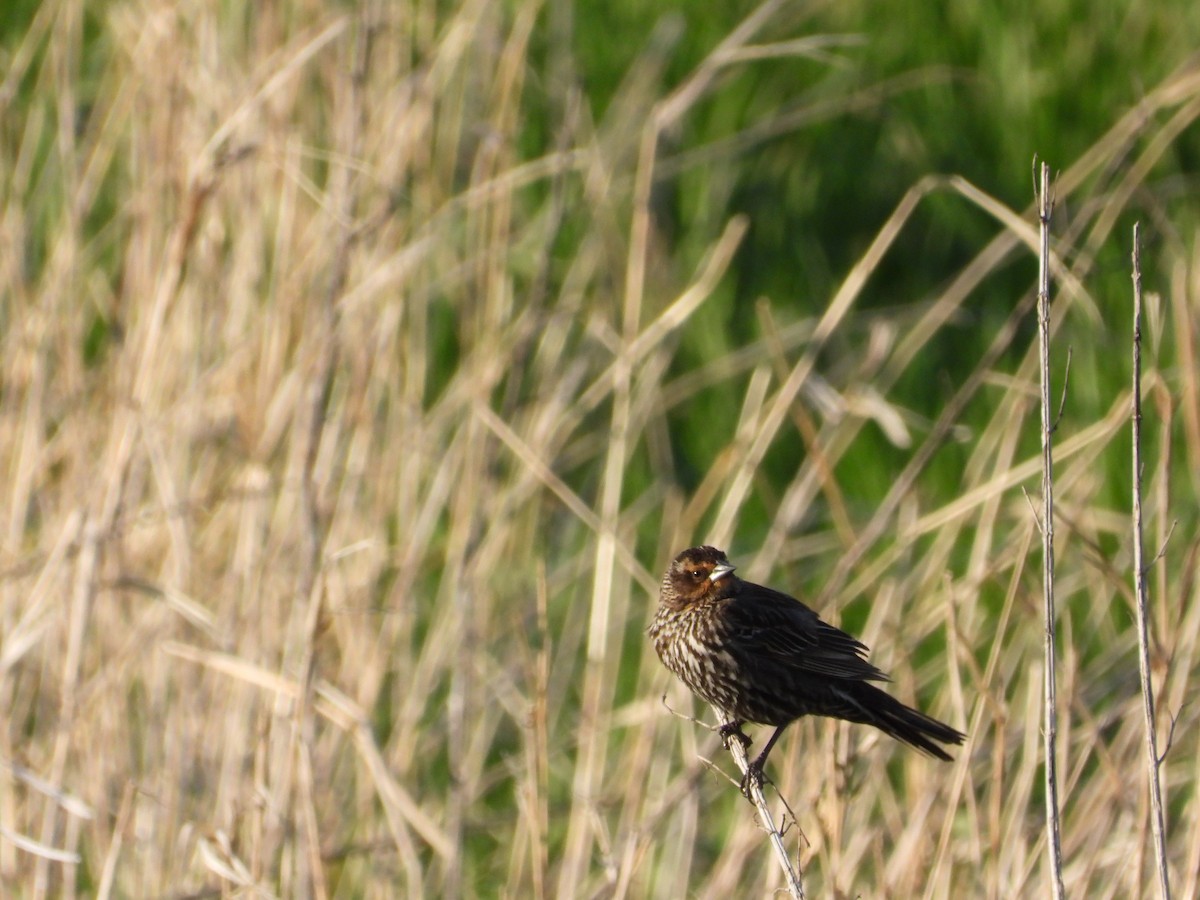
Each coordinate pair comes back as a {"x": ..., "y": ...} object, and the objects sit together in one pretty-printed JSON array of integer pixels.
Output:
[
  {"x": 733, "y": 731},
  {"x": 754, "y": 771}
]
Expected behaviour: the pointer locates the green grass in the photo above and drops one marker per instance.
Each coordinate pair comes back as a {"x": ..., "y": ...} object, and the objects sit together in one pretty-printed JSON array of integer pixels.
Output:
[{"x": 351, "y": 405}]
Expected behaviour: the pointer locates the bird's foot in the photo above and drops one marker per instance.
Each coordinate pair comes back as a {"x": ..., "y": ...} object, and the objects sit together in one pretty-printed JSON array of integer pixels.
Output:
[
  {"x": 753, "y": 779},
  {"x": 732, "y": 731}
]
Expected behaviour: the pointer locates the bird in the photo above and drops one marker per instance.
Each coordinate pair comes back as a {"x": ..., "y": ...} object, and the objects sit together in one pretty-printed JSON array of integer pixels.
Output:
[{"x": 761, "y": 656}]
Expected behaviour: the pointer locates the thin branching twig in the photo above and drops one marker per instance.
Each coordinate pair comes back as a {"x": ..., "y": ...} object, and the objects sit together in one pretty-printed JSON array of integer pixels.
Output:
[
  {"x": 1053, "y": 828},
  {"x": 1153, "y": 760},
  {"x": 736, "y": 744}
]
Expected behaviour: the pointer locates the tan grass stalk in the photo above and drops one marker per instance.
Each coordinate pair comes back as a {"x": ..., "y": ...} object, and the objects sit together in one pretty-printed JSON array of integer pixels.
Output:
[
  {"x": 1050, "y": 696},
  {"x": 1153, "y": 761}
]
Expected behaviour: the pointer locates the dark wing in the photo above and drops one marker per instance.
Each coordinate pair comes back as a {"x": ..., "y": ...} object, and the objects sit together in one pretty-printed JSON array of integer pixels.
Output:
[{"x": 781, "y": 628}]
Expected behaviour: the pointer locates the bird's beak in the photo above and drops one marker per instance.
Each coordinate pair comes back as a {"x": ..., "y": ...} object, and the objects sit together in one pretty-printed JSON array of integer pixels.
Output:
[{"x": 721, "y": 570}]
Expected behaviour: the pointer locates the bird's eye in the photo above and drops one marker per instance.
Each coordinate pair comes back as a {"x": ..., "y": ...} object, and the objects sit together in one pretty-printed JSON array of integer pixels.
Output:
[{"x": 698, "y": 574}]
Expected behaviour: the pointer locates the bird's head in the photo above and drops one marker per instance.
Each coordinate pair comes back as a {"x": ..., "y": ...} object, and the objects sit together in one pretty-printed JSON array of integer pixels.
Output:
[{"x": 697, "y": 575}]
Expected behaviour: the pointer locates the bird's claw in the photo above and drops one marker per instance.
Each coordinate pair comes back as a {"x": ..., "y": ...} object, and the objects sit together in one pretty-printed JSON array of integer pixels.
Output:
[
  {"x": 754, "y": 777},
  {"x": 752, "y": 780},
  {"x": 731, "y": 731}
]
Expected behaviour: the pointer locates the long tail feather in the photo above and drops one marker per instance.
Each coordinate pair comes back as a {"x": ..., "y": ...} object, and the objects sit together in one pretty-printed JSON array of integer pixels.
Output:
[{"x": 904, "y": 723}]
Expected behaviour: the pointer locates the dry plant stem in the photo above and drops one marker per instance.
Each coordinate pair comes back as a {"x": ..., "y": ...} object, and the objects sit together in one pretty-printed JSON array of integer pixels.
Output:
[
  {"x": 736, "y": 745},
  {"x": 82, "y": 598},
  {"x": 1153, "y": 762},
  {"x": 295, "y": 776},
  {"x": 1053, "y": 829}
]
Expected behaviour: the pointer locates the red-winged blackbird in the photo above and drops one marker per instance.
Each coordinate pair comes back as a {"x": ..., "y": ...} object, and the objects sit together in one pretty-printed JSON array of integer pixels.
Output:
[{"x": 761, "y": 656}]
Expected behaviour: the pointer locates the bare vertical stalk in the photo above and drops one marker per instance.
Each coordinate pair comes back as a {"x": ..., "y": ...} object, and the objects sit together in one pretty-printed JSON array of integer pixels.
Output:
[
  {"x": 1153, "y": 761},
  {"x": 1053, "y": 829}
]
